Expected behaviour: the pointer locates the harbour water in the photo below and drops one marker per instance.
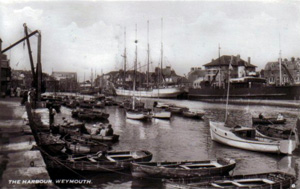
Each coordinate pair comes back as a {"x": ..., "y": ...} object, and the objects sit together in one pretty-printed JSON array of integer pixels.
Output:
[{"x": 183, "y": 139}]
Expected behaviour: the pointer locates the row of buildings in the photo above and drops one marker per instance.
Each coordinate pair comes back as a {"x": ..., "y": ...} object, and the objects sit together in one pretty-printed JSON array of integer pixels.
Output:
[{"x": 215, "y": 73}]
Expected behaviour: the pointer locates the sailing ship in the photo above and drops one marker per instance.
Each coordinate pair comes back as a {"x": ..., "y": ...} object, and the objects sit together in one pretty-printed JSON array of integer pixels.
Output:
[
  {"x": 247, "y": 138},
  {"x": 158, "y": 91}
]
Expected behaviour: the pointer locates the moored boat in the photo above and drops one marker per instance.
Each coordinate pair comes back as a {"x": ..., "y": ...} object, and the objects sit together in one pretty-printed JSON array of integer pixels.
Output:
[
  {"x": 247, "y": 139},
  {"x": 100, "y": 138},
  {"x": 170, "y": 92},
  {"x": 137, "y": 115},
  {"x": 82, "y": 146},
  {"x": 267, "y": 121},
  {"x": 192, "y": 114},
  {"x": 102, "y": 162},
  {"x": 268, "y": 180},
  {"x": 89, "y": 115},
  {"x": 182, "y": 169},
  {"x": 177, "y": 109},
  {"x": 161, "y": 114},
  {"x": 275, "y": 132}
]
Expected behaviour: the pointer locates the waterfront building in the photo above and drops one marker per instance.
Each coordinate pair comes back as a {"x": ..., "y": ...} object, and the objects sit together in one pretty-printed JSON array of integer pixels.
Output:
[
  {"x": 290, "y": 72},
  {"x": 67, "y": 81},
  {"x": 217, "y": 70},
  {"x": 23, "y": 79},
  {"x": 5, "y": 75},
  {"x": 196, "y": 76}
]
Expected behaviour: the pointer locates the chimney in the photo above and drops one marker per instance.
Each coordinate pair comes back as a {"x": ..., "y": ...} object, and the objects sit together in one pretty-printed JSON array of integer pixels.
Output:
[{"x": 249, "y": 60}]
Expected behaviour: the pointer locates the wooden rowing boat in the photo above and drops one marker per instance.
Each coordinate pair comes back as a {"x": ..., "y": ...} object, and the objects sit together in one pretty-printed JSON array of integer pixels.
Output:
[
  {"x": 182, "y": 169},
  {"x": 192, "y": 114},
  {"x": 177, "y": 109},
  {"x": 83, "y": 146},
  {"x": 137, "y": 115},
  {"x": 247, "y": 139},
  {"x": 52, "y": 144},
  {"x": 267, "y": 121},
  {"x": 102, "y": 162},
  {"x": 274, "y": 180},
  {"x": 275, "y": 132},
  {"x": 100, "y": 138},
  {"x": 161, "y": 114}
]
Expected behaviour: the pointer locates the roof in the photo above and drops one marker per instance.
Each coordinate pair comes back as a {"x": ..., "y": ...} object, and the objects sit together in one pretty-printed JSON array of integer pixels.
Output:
[
  {"x": 225, "y": 60},
  {"x": 289, "y": 64}
]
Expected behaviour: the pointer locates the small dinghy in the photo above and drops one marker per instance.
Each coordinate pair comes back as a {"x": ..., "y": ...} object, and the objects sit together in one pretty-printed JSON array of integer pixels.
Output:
[
  {"x": 161, "y": 114},
  {"x": 137, "y": 115},
  {"x": 182, "y": 169},
  {"x": 83, "y": 146},
  {"x": 263, "y": 181},
  {"x": 192, "y": 114},
  {"x": 100, "y": 138},
  {"x": 275, "y": 132},
  {"x": 267, "y": 121},
  {"x": 102, "y": 162},
  {"x": 177, "y": 109}
]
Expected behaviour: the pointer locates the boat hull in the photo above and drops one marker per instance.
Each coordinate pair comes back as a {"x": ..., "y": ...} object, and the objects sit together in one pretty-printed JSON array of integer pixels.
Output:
[
  {"x": 184, "y": 170},
  {"x": 162, "y": 115},
  {"x": 136, "y": 115},
  {"x": 276, "y": 93},
  {"x": 153, "y": 93},
  {"x": 123, "y": 163},
  {"x": 267, "y": 121},
  {"x": 272, "y": 180},
  {"x": 225, "y": 136}
]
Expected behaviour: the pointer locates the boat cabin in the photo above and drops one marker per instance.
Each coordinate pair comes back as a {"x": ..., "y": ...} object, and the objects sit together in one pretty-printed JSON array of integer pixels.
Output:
[{"x": 247, "y": 133}]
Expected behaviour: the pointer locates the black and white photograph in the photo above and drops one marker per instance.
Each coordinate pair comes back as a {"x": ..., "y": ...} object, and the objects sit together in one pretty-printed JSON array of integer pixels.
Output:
[{"x": 149, "y": 94}]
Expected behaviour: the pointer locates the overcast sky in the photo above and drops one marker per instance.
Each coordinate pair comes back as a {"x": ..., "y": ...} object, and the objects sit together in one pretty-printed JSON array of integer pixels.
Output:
[{"x": 78, "y": 36}]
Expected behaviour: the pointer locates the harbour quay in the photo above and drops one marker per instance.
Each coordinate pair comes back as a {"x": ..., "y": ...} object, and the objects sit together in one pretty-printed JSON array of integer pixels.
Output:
[{"x": 22, "y": 165}]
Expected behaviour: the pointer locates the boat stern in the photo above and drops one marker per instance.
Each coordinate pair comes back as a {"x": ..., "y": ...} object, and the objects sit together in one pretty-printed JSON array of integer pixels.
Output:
[{"x": 287, "y": 146}]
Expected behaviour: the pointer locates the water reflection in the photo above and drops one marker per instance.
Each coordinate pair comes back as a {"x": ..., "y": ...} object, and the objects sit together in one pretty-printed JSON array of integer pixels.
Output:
[{"x": 182, "y": 139}]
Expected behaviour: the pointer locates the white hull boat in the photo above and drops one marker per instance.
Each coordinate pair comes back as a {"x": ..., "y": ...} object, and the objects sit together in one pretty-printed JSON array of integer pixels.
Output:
[
  {"x": 136, "y": 115},
  {"x": 171, "y": 92},
  {"x": 247, "y": 139},
  {"x": 162, "y": 115}
]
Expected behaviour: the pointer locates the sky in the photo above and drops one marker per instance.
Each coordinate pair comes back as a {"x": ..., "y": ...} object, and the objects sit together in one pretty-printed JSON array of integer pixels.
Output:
[{"x": 79, "y": 36}]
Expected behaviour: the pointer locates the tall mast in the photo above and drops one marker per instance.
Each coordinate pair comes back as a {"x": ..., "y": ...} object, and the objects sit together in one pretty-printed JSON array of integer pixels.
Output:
[
  {"x": 92, "y": 77},
  {"x": 279, "y": 60},
  {"x": 124, "y": 76},
  {"x": 148, "y": 54},
  {"x": 161, "y": 56},
  {"x": 228, "y": 88},
  {"x": 135, "y": 65},
  {"x": 219, "y": 66}
]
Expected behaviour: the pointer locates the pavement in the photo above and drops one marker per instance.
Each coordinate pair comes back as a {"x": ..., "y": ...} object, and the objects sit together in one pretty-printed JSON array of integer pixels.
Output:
[{"x": 20, "y": 165}]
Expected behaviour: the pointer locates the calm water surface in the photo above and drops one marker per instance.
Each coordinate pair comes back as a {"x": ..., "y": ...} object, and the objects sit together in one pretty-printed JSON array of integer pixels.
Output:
[{"x": 183, "y": 139}]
